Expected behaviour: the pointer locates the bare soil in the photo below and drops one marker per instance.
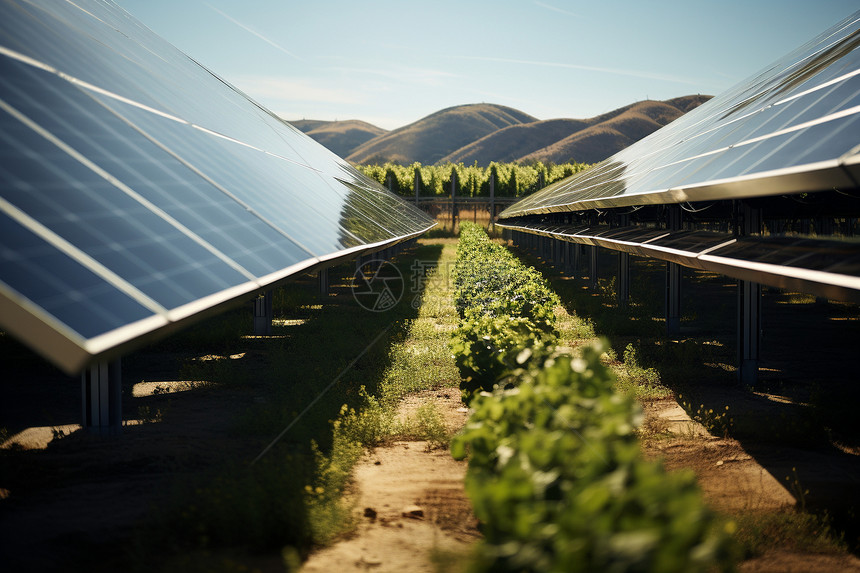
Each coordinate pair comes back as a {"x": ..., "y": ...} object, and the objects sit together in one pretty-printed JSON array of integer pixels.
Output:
[
  {"x": 77, "y": 499},
  {"x": 409, "y": 503},
  {"x": 734, "y": 482}
]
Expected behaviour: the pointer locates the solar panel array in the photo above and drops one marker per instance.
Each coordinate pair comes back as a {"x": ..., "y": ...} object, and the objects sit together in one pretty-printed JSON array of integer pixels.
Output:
[
  {"x": 793, "y": 127},
  {"x": 825, "y": 267},
  {"x": 138, "y": 189}
]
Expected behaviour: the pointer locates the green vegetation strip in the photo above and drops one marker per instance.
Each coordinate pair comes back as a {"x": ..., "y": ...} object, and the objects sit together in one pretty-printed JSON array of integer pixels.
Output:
[
  {"x": 510, "y": 179},
  {"x": 555, "y": 471},
  {"x": 292, "y": 499}
]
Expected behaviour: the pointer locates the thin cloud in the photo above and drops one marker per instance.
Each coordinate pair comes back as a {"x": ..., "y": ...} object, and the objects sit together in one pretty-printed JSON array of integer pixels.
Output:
[
  {"x": 295, "y": 90},
  {"x": 254, "y": 32},
  {"x": 556, "y": 9},
  {"x": 412, "y": 75},
  {"x": 603, "y": 70}
]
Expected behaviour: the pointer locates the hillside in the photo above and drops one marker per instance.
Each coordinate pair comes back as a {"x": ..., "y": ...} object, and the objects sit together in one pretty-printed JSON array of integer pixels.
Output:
[
  {"x": 512, "y": 142},
  {"x": 488, "y": 132},
  {"x": 430, "y": 139},
  {"x": 341, "y": 137},
  {"x": 587, "y": 140}
]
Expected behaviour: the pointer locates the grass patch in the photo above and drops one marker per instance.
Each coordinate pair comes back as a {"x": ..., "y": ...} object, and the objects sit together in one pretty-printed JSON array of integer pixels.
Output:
[
  {"x": 789, "y": 529},
  {"x": 293, "y": 496}
]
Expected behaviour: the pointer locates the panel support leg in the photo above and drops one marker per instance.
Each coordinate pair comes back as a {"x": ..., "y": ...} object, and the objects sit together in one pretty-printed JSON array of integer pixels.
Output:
[
  {"x": 749, "y": 306},
  {"x": 592, "y": 266},
  {"x": 673, "y": 298},
  {"x": 101, "y": 398},
  {"x": 674, "y": 223},
  {"x": 263, "y": 314},
  {"x": 568, "y": 258},
  {"x": 749, "y": 332},
  {"x": 323, "y": 280},
  {"x": 623, "y": 283}
]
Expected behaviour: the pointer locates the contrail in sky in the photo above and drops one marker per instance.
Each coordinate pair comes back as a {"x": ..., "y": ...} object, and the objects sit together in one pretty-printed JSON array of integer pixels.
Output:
[
  {"x": 614, "y": 71},
  {"x": 252, "y": 31},
  {"x": 556, "y": 9}
]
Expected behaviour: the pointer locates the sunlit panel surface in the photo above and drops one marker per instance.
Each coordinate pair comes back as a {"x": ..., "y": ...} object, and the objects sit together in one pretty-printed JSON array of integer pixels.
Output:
[
  {"x": 138, "y": 189},
  {"x": 793, "y": 127},
  {"x": 826, "y": 267}
]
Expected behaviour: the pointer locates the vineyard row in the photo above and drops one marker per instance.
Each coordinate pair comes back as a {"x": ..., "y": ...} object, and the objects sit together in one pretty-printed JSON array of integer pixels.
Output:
[{"x": 507, "y": 179}]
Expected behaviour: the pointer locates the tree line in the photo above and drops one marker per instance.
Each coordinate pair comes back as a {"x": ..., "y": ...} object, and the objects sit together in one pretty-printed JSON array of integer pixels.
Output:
[{"x": 509, "y": 179}]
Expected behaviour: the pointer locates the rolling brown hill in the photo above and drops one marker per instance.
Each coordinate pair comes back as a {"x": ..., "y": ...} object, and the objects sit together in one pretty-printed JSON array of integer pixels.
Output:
[
  {"x": 587, "y": 140},
  {"x": 488, "y": 132},
  {"x": 341, "y": 137},
  {"x": 430, "y": 139},
  {"x": 512, "y": 142}
]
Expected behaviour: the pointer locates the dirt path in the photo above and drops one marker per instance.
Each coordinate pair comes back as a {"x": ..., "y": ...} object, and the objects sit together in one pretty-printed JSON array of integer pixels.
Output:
[
  {"x": 412, "y": 511},
  {"x": 413, "y": 514},
  {"x": 733, "y": 481}
]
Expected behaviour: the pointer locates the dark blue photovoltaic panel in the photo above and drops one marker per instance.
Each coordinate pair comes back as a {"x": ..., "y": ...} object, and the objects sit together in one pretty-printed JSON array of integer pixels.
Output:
[
  {"x": 60, "y": 285},
  {"x": 261, "y": 186},
  {"x": 106, "y": 224},
  {"x": 82, "y": 123},
  {"x": 158, "y": 189},
  {"x": 794, "y": 123}
]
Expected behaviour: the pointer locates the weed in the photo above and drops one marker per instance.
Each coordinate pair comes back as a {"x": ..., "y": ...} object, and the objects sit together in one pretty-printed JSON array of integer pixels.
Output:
[
  {"x": 797, "y": 490},
  {"x": 369, "y": 425},
  {"x": 149, "y": 415},
  {"x": 328, "y": 515},
  {"x": 716, "y": 422},
  {"x": 642, "y": 383},
  {"x": 431, "y": 426},
  {"x": 789, "y": 529}
]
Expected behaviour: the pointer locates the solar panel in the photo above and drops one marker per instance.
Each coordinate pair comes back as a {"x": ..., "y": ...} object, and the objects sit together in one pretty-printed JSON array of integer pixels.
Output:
[
  {"x": 825, "y": 267},
  {"x": 793, "y": 127},
  {"x": 138, "y": 189}
]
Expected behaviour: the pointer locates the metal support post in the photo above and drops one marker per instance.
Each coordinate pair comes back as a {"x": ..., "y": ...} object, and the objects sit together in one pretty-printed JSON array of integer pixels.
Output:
[
  {"x": 623, "y": 283},
  {"x": 568, "y": 259},
  {"x": 749, "y": 307},
  {"x": 453, "y": 201},
  {"x": 492, "y": 224},
  {"x": 323, "y": 280},
  {"x": 749, "y": 332},
  {"x": 101, "y": 398},
  {"x": 673, "y": 298},
  {"x": 673, "y": 277},
  {"x": 592, "y": 266},
  {"x": 263, "y": 314}
]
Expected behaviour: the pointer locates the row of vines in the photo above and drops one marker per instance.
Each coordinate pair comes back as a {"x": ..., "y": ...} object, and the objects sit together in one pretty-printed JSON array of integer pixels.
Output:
[
  {"x": 509, "y": 179},
  {"x": 555, "y": 473}
]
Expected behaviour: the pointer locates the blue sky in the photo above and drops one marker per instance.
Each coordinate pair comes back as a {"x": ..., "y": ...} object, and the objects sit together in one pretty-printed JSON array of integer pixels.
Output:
[{"x": 391, "y": 63}]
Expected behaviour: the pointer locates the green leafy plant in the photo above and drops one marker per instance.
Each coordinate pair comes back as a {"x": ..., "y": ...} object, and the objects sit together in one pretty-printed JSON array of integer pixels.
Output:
[
  {"x": 510, "y": 179},
  {"x": 486, "y": 348},
  {"x": 507, "y": 311},
  {"x": 557, "y": 478}
]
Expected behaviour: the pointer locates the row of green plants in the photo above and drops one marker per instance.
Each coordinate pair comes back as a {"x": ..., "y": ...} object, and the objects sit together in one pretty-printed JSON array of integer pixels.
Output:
[
  {"x": 506, "y": 310},
  {"x": 509, "y": 179},
  {"x": 556, "y": 476}
]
